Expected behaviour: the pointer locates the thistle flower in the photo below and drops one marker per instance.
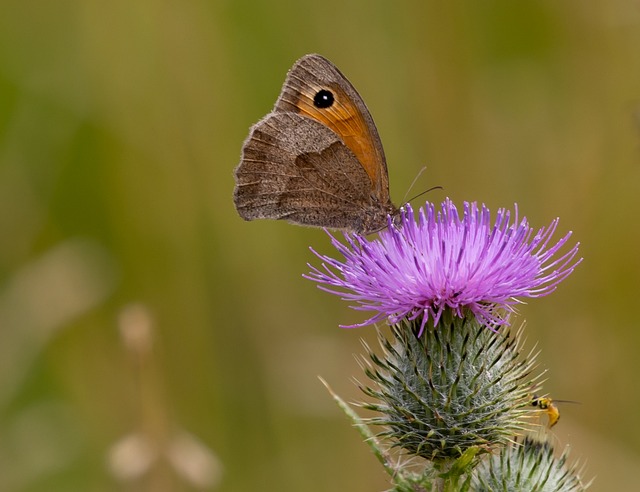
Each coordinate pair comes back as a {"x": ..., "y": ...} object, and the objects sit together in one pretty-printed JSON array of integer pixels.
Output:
[
  {"x": 444, "y": 388},
  {"x": 444, "y": 261}
]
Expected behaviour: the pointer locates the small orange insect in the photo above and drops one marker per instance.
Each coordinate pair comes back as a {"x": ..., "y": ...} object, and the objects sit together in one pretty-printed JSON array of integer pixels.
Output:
[
  {"x": 546, "y": 404},
  {"x": 549, "y": 407}
]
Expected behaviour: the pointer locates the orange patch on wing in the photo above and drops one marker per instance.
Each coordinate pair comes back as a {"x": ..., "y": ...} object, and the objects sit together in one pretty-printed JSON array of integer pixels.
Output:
[{"x": 344, "y": 119}]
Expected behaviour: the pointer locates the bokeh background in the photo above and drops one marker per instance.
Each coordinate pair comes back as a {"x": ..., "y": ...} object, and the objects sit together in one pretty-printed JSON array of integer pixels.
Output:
[{"x": 152, "y": 340}]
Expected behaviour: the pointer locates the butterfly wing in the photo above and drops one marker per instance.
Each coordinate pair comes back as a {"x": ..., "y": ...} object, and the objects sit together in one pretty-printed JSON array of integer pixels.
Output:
[
  {"x": 316, "y": 159},
  {"x": 297, "y": 169},
  {"x": 348, "y": 116}
]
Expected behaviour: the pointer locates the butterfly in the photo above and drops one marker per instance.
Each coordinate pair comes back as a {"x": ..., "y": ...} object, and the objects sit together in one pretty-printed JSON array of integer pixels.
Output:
[{"x": 316, "y": 159}]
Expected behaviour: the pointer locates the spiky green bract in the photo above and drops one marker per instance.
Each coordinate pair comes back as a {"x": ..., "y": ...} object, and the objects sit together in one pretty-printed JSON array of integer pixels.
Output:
[
  {"x": 455, "y": 387},
  {"x": 529, "y": 466}
]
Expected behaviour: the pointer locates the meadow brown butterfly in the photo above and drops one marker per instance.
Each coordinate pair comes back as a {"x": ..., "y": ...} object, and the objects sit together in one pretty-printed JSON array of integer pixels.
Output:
[{"x": 316, "y": 159}]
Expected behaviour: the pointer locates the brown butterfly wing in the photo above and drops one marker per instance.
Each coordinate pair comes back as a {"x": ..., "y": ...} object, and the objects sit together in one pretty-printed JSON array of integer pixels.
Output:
[
  {"x": 295, "y": 168},
  {"x": 348, "y": 116},
  {"x": 318, "y": 165}
]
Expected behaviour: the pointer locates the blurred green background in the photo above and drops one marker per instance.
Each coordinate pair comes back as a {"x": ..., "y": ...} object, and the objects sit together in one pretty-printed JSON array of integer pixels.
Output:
[{"x": 152, "y": 340}]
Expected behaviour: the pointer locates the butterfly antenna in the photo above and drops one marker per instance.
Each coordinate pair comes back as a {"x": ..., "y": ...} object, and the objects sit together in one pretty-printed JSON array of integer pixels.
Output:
[
  {"x": 424, "y": 168},
  {"x": 404, "y": 198},
  {"x": 424, "y": 193}
]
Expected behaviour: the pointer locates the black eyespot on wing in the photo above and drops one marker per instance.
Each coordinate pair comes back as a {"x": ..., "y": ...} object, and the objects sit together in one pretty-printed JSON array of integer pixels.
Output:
[{"x": 323, "y": 99}]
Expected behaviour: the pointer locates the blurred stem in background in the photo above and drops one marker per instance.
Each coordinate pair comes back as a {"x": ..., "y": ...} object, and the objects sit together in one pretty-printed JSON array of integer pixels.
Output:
[{"x": 157, "y": 455}]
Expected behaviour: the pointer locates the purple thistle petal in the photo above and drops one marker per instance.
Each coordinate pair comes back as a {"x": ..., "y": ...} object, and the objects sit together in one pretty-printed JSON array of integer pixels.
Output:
[{"x": 443, "y": 261}]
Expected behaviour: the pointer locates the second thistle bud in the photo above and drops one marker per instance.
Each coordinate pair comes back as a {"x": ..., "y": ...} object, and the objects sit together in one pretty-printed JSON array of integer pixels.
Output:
[{"x": 528, "y": 465}]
